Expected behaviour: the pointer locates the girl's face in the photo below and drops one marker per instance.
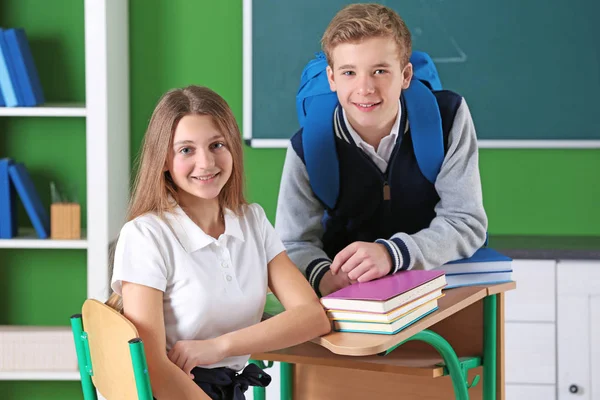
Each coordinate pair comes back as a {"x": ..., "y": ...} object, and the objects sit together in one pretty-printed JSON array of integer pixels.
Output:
[{"x": 199, "y": 161}]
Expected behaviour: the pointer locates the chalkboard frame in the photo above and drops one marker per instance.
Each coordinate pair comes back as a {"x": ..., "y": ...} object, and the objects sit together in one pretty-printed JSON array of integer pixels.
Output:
[{"x": 257, "y": 142}]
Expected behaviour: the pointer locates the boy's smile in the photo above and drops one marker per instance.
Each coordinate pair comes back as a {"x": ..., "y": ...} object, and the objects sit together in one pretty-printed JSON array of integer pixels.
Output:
[{"x": 368, "y": 79}]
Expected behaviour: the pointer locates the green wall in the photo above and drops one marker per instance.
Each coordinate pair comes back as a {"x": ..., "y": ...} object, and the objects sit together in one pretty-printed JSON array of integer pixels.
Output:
[{"x": 180, "y": 42}]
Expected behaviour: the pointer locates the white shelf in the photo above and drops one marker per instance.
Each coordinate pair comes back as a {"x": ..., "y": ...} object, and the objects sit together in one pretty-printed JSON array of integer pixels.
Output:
[
  {"x": 39, "y": 376},
  {"x": 45, "y": 110},
  {"x": 27, "y": 239}
]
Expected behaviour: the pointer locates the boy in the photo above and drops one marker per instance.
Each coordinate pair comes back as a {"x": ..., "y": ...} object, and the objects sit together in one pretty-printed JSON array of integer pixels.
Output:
[{"x": 388, "y": 217}]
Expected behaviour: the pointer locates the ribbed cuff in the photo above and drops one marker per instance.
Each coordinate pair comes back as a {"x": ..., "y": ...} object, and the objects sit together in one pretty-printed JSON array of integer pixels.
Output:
[
  {"x": 315, "y": 272},
  {"x": 398, "y": 252},
  {"x": 404, "y": 254}
]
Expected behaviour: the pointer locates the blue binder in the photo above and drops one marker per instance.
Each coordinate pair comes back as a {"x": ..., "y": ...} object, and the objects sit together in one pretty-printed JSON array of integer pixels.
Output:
[
  {"x": 8, "y": 76},
  {"x": 31, "y": 201},
  {"x": 8, "y": 202},
  {"x": 28, "y": 80}
]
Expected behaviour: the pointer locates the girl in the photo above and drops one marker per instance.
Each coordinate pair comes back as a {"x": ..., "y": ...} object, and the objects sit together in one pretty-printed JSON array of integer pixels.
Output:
[{"x": 193, "y": 263}]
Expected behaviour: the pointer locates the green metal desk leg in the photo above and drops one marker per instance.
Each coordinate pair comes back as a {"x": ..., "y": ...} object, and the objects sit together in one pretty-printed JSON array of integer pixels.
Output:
[
  {"x": 85, "y": 368},
  {"x": 459, "y": 381},
  {"x": 489, "y": 347},
  {"x": 287, "y": 379},
  {"x": 140, "y": 369}
]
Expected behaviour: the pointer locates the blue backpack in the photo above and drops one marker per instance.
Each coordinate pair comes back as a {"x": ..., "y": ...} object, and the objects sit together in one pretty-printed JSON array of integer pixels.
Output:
[{"x": 316, "y": 103}]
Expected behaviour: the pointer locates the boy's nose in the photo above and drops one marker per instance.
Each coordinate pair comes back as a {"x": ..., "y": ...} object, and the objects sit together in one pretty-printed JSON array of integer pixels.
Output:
[{"x": 365, "y": 86}]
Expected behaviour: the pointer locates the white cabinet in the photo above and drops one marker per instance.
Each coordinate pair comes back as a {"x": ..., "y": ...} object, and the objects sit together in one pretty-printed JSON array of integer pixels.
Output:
[
  {"x": 534, "y": 300},
  {"x": 530, "y": 331},
  {"x": 578, "y": 330}
]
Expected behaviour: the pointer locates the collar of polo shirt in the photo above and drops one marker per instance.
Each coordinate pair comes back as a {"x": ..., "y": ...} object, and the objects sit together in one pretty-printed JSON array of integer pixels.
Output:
[{"x": 193, "y": 238}]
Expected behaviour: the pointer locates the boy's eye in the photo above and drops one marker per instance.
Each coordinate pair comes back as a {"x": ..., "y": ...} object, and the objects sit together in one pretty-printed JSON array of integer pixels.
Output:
[
  {"x": 348, "y": 73},
  {"x": 380, "y": 71}
]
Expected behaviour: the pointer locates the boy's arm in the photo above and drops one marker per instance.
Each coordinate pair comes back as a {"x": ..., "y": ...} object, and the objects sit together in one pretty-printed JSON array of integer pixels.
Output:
[
  {"x": 460, "y": 224},
  {"x": 298, "y": 220}
]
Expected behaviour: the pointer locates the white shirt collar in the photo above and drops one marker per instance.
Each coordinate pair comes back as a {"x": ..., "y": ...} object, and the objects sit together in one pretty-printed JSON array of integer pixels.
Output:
[{"x": 192, "y": 237}]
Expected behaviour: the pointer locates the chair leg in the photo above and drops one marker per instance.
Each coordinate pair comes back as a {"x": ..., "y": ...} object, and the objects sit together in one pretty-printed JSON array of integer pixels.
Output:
[
  {"x": 83, "y": 359},
  {"x": 140, "y": 369}
]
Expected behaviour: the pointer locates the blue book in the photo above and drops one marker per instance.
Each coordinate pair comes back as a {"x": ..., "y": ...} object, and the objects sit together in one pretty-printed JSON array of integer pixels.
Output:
[
  {"x": 31, "y": 201},
  {"x": 8, "y": 202},
  {"x": 28, "y": 80},
  {"x": 471, "y": 279},
  {"x": 8, "y": 76},
  {"x": 485, "y": 260}
]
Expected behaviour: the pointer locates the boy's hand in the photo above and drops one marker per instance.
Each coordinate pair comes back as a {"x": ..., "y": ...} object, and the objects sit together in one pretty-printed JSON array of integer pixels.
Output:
[
  {"x": 362, "y": 261},
  {"x": 330, "y": 283},
  {"x": 187, "y": 354}
]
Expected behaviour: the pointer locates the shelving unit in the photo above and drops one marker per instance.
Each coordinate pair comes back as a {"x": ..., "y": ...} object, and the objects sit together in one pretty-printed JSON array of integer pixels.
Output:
[
  {"x": 106, "y": 112},
  {"x": 46, "y": 110},
  {"x": 27, "y": 239},
  {"x": 39, "y": 376}
]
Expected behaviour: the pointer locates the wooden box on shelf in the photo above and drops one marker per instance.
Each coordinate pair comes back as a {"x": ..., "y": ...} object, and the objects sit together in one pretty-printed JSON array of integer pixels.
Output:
[{"x": 65, "y": 221}]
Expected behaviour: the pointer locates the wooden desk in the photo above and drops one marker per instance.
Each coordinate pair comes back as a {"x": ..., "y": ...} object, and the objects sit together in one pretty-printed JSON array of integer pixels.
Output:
[{"x": 347, "y": 365}]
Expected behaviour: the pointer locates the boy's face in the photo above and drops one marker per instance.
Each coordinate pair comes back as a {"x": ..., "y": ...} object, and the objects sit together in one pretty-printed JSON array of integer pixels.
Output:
[{"x": 368, "y": 79}]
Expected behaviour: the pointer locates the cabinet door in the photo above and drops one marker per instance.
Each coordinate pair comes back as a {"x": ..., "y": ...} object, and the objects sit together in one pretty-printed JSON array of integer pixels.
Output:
[
  {"x": 530, "y": 392},
  {"x": 578, "y": 330},
  {"x": 535, "y": 297}
]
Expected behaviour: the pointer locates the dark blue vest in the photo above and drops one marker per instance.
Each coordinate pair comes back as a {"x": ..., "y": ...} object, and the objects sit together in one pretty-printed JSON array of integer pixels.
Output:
[{"x": 372, "y": 204}]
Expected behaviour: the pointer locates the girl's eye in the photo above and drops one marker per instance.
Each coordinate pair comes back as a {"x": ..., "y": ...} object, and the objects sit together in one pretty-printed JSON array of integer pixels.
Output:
[
  {"x": 218, "y": 145},
  {"x": 185, "y": 151}
]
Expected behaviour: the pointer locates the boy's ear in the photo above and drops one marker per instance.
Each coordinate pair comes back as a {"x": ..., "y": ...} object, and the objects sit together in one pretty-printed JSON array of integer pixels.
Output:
[
  {"x": 330, "y": 78},
  {"x": 407, "y": 74}
]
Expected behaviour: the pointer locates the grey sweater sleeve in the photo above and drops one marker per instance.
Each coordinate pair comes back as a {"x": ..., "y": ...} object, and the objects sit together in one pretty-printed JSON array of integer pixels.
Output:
[
  {"x": 460, "y": 224},
  {"x": 298, "y": 220}
]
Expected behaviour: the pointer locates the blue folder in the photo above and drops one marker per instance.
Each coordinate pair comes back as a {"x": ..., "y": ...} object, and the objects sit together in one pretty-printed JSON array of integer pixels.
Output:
[
  {"x": 31, "y": 201},
  {"x": 8, "y": 202},
  {"x": 8, "y": 76},
  {"x": 28, "y": 80}
]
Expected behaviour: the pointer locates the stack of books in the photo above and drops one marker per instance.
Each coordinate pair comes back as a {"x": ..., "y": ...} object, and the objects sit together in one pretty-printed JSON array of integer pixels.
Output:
[
  {"x": 19, "y": 81},
  {"x": 485, "y": 267},
  {"x": 386, "y": 305}
]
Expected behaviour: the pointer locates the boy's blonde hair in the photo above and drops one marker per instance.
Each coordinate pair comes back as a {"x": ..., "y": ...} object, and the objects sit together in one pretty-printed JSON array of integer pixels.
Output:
[{"x": 358, "y": 22}]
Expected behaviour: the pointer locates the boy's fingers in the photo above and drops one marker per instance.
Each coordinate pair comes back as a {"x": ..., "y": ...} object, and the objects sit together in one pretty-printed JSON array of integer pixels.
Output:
[
  {"x": 368, "y": 276},
  {"x": 359, "y": 270},
  {"x": 341, "y": 258},
  {"x": 351, "y": 263}
]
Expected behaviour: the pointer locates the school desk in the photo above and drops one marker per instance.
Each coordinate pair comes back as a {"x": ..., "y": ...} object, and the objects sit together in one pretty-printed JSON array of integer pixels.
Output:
[{"x": 455, "y": 352}]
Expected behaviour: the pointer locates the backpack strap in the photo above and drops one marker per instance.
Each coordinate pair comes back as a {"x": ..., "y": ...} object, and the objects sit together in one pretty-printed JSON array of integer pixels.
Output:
[
  {"x": 426, "y": 128},
  {"x": 320, "y": 154}
]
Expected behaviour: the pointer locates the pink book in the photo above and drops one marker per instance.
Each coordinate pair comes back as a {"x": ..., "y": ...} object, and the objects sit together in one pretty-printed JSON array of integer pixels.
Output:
[{"x": 385, "y": 294}]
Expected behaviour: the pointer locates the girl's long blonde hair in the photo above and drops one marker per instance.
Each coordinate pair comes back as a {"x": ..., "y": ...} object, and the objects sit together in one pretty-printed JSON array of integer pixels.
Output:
[{"x": 153, "y": 188}]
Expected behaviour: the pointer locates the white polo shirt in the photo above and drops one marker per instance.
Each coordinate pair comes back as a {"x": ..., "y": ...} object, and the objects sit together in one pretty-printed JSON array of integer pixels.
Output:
[{"x": 211, "y": 286}]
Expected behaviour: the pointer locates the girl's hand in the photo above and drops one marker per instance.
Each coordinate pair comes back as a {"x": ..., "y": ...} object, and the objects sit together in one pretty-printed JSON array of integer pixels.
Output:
[{"x": 187, "y": 354}]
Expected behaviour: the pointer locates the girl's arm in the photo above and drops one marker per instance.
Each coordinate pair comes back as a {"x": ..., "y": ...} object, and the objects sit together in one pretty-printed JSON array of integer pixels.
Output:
[
  {"x": 302, "y": 320},
  {"x": 142, "y": 305}
]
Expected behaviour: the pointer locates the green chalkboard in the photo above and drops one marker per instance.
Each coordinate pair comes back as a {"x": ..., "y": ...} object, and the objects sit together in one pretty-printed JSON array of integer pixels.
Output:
[{"x": 529, "y": 69}]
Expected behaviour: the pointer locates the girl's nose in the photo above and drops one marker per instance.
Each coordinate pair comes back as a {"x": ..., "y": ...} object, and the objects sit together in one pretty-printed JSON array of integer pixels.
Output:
[{"x": 205, "y": 159}]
